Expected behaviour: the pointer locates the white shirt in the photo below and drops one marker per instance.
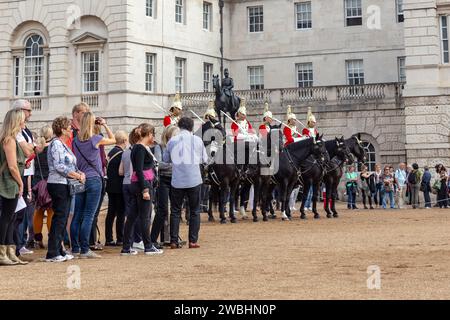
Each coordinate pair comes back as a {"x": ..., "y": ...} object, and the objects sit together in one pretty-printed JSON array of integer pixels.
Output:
[{"x": 20, "y": 138}]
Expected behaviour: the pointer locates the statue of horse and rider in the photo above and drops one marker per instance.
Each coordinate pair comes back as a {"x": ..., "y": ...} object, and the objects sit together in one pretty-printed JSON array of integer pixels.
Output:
[{"x": 226, "y": 100}]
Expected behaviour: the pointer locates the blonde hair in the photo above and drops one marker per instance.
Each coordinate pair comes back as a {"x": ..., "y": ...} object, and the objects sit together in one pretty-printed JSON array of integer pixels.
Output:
[
  {"x": 121, "y": 137},
  {"x": 46, "y": 134},
  {"x": 11, "y": 124},
  {"x": 87, "y": 126},
  {"x": 169, "y": 133},
  {"x": 79, "y": 106}
]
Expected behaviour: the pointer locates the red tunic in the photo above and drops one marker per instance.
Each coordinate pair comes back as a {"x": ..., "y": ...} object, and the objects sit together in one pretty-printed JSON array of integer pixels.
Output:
[
  {"x": 263, "y": 131},
  {"x": 307, "y": 132},
  {"x": 168, "y": 120},
  {"x": 237, "y": 131},
  {"x": 290, "y": 136}
]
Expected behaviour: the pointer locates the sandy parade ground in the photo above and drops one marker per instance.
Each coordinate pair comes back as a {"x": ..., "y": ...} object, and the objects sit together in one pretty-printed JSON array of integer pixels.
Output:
[{"x": 324, "y": 259}]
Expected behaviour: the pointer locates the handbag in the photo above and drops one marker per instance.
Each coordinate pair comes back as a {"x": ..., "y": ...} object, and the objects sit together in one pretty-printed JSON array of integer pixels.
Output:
[{"x": 76, "y": 187}]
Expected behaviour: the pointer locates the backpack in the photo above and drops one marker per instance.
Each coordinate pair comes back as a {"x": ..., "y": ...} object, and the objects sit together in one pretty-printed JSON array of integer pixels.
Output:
[{"x": 412, "y": 178}]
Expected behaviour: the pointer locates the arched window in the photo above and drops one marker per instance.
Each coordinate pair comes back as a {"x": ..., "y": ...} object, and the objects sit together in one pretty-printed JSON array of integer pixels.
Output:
[
  {"x": 30, "y": 67},
  {"x": 371, "y": 155},
  {"x": 34, "y": 66}
]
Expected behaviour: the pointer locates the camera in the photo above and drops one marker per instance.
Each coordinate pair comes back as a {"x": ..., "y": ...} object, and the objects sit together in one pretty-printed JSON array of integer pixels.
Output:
[{"x": 98, "y": 121}]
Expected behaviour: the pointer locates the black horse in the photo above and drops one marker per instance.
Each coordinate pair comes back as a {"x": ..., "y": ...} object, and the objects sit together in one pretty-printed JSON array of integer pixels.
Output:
[
  {"x": 222, "y": 173},
  {"x": 292, "y": 160},
  {"x": 313, "y": 170},
  {"x": 223, "y": 102},
  {"x": 340, "y": 155},
  {"x": 357, "y": 149},
  {"x": 262, "y": 178}
]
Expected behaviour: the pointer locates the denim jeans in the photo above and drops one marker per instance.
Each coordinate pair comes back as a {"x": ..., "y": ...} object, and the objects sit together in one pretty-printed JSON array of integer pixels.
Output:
[
  {"x": 86, "y": 205},
  {"x": 61, "y": 200},
  {"x": 176, "y": 201},
  {"x": 141, "y": 211},
  {"x": 379, "y": 194},
  {"x": 351, "y": 197},
  {"x": 25, "y": 230},
  {"x": 93, "y": 238},
  {"x": 308, "y": 202},
  {"x": 389, "y": 194}
]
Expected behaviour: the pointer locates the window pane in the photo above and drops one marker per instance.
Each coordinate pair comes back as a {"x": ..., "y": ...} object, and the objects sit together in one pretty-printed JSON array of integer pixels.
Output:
[{"x": 256, "y": 19}]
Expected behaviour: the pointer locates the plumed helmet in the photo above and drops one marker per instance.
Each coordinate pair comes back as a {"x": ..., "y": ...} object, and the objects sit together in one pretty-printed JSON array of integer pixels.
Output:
[
  {"x": 211, "y": 111},
  {"x": 267, "y": 113},
  {"x": 290, "y": 114},
  {"x": 243, "y": 109},
  {"x": 177, "y": 102},
  {"x": 310, "y": 118}
]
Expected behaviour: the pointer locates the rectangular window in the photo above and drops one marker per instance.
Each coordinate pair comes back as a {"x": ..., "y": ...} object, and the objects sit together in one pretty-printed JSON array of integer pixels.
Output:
[
  {"x": 255, "y": 19},
  {"x": 353, "y": 13},
  {"x": 90, "y": 77},
  {"x": 150, "y": 72},
  {"x": 444, "y": 37},
  {"x": 401, "y": 69},
  {"x": 16, "y": 76},
  {"x": 179, "y": 11},
  {"x": 304, "y": 75},
  {"x": 256, "y": 77},
  {"x": 149, "y": 7},
  {"x": 207, "y": 14},
  {"x": 34, "y": 74},
  {"x": 355, "y": 72},
  {"x": 207, "y": 73},
  {"x": 180, "y": 65},
  {"x": 303, "y": 13},
  {"x": 400, "y": 16}
]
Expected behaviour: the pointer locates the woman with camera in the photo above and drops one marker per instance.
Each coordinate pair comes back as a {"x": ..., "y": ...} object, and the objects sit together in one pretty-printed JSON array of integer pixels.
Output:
[{"x": 86, "y": 147}]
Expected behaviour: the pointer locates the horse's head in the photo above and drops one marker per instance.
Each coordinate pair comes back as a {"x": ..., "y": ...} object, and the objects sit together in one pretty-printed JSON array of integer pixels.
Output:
[
  {"x": 319, "y": 150},
  {"x": 216, "y": 82},
  {"x": 343, "y": 151},
  {"x": 356, "y": 147}
]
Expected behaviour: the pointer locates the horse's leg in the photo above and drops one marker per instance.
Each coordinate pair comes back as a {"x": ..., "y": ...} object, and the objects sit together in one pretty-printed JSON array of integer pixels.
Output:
[
  {"x": 233, "y": 196},
  {"x": 306, "y": 187},
  {"x": 284, "y": 203},
  {"x": 256, "y": 197},
  {"x": 328, "y": 196},
  {"x": 264, "y": 198},
  {"x": 210, "y": 207},
  {"x": 333, "y": 199},
  {"x": 222, "y": 200},
  {"x": 316, "y": 187}
]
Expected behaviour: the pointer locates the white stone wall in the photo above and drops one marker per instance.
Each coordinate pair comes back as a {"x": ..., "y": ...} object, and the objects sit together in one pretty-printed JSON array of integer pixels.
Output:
[
  {"x": 327, "y": 45},
  {"x": 426, "y": 93}
]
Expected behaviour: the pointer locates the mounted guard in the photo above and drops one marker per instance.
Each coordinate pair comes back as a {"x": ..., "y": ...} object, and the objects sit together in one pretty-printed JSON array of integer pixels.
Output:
[
  {"x": 311, "y": 130},
  {"x": 290, "y": 131},
  {"x": 174, "y": 112}
]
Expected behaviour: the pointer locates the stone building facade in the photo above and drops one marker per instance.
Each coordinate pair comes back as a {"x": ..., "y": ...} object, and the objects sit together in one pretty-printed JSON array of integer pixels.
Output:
[
  {"x": 345, "y": 58},
  {"x": 426, "y": 95}
]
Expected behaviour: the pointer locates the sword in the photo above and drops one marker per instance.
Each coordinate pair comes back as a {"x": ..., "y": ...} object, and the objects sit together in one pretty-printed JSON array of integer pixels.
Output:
[
  {"x": 203, "y": 121},
  {"x": 162, "y": 109},
  {"x": 239, "y": 126},
  {"x": 301, "y": 123},
  {"x": 284, "y": 124}
]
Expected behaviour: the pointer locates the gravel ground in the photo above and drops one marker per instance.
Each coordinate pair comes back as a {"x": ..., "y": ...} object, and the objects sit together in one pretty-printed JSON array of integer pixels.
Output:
[{"x": 324, "y": 259}]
